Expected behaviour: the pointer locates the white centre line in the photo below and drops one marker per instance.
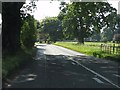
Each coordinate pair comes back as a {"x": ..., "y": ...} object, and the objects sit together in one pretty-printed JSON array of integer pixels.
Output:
[{"x": 97, "y": 74}]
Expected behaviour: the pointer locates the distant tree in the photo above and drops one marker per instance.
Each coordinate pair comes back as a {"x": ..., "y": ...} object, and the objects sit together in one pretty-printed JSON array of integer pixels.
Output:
[
  {"x": 107, "y": 34},
  {"x": 113, "y": 29},
  {"x": 118, "y": 25},
  {"x": 116, "y": 38},
  {"x": 52, "y": 27},
  {"x": 95, "y": 36}
]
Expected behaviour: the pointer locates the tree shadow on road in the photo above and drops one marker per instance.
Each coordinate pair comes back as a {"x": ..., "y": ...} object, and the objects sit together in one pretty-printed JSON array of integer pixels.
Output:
[{"x": 56, "y": 71}]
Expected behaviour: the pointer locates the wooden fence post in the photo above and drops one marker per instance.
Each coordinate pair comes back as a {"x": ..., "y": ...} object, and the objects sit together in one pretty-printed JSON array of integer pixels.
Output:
[
  {"x": 113, "y": 48},
  {"x": 101, "y": 47},
  {"x": 110, "y": 49}
]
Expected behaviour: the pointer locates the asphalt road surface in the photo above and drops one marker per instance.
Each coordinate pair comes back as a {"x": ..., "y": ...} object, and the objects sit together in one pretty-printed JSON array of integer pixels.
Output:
[{"x": 57, "y": 67}]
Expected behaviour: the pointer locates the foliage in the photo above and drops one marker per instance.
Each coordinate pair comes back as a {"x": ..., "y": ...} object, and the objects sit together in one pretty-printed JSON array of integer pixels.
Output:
[
  {"x": 28, "y": 32},
  {"x": 13, "y": 62},
  {"x": 114, "y": 28},
  {"x": 94, "y": 37},
  {"x": 80, "y": 19},
  {"x": 28, "y": 8},
  {"x": 50, "y": 29},
  {"x": 12, "y": 17},
  {"x": 12, "y": 21},
  {"x": 107, "y": 34}
]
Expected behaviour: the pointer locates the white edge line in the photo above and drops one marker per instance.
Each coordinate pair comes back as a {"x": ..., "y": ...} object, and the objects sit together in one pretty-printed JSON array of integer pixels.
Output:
[
  {"x": 116, "y": 75},
  {"x": 98, "y": 80},
  {"x": 97, "y": 74}
]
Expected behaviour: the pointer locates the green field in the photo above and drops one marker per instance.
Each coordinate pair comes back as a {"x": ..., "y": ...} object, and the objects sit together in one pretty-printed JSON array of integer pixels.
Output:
[{"x": 89, "y": 48}]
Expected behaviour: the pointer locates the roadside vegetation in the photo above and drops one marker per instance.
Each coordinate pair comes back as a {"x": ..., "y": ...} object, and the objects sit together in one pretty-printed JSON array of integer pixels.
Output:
[
  {"x": 89, "y": 48},
  {"x": 19, "y": 36},
  {"x": 11, "y": 63},
  {"x": 83, "y": 21}
]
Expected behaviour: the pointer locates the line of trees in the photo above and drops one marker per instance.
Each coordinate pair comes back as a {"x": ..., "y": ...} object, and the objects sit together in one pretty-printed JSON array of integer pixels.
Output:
[
  {"x": 78, "y": 20},
  {"x": 82, "y": 20},
  {"x": 50, "y": 29}
]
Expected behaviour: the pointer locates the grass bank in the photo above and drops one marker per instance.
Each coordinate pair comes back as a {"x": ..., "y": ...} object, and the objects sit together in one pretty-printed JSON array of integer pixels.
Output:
[
  {"x": 11, "y": 63},
  {"x": 89, "y": 48}
]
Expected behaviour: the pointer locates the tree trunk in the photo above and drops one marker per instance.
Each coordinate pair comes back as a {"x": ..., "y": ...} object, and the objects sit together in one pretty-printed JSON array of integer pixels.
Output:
[
  {"x": 80, "y": 40},
  {"x": 11, "y": 24}
]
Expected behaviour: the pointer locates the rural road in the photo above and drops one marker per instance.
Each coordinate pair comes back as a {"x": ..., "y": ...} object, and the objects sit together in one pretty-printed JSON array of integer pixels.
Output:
[{"x": 57, "y": 67}]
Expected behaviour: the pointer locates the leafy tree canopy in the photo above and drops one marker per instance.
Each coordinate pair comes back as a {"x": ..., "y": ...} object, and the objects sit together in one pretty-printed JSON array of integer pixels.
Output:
[
  {"x": 52, "y": 27},
  {"x": 81, "y": 18}
]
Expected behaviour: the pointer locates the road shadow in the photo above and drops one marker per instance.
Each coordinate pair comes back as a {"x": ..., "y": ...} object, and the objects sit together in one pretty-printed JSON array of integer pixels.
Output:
[
  {"x": 61, "y": 71},
  {"x": 56, "y": 71},
  {"x": 43, "y": 45}
]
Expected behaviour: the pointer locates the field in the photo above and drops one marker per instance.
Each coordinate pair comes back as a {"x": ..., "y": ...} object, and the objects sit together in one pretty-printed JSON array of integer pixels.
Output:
[{"x": 90, "y": 48}]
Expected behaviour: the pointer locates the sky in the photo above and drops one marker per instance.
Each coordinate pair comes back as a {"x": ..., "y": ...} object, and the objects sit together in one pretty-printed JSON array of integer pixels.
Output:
[{"x": 45, "y": 8}]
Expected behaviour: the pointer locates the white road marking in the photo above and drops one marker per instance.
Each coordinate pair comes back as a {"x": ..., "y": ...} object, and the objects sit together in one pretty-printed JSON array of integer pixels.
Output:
[
  {"x": 116, "y": 75},
  {"x": 98, "y": 80},
  {"x": 97, "y": 74},
  {"x": 56, "y": 51}
]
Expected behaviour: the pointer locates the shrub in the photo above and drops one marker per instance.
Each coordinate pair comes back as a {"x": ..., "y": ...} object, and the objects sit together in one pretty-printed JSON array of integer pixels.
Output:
[{"x": 28, "y": 32}]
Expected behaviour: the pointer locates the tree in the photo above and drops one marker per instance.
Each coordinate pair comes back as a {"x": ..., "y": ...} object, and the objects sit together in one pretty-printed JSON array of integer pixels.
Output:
[
  {"x": 118, "y": 24},
  {"x": 11, "y": 24},
  {"x": 82, "y": 18},
  {"x": 28, "y": 32},
  {"x": 116, "y": 38},
  {"x": 107, "y": 34},
  {"x": 12, "y": 17},
  {"x": 113, "y": 29},
  {"x": 51, "y": 26}
]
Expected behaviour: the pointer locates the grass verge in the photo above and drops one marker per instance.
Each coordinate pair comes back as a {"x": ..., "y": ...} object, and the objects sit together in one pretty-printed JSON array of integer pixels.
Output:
[
  {"x": 88, "y": 50},
  {"x": 11, "y": 63}
]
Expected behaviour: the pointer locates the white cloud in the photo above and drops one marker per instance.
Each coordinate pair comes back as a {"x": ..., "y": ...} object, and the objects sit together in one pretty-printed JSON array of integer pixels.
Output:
[{"x": 45, "y": 8}]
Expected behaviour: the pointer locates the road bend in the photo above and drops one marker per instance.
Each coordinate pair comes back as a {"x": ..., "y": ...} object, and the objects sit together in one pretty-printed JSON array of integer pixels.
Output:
[{"x": 58, "y": 67}]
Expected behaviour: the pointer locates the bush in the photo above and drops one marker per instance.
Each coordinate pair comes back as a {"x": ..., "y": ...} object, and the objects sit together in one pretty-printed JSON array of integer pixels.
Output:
[{"x": 28, "y": 32}]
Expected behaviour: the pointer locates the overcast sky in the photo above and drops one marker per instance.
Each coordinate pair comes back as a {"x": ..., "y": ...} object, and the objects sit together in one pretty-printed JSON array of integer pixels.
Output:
[{"x": 45, "y": 8}]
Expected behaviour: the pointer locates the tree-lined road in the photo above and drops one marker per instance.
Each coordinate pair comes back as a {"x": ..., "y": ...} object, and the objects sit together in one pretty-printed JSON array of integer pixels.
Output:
[{"x": 58, "y": 67}]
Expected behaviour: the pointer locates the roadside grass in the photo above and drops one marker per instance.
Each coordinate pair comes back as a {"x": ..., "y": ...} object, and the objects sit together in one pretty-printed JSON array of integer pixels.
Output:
[
  {"x": 79, "y": 48},
  {"x": 89, "y": 48},
  {"x": 99, "y": 43},
  {"x": 14, "y": 62}
]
